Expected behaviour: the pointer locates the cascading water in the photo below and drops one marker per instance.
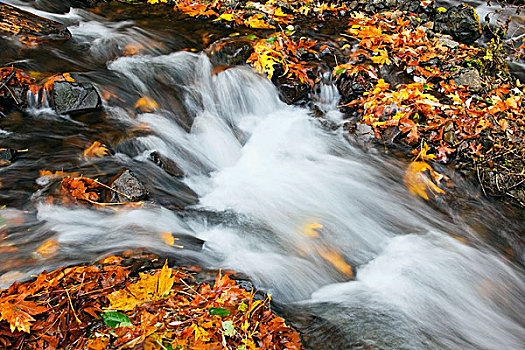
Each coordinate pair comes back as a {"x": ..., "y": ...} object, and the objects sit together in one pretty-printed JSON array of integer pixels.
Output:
[{"x": 263, "y": 172}]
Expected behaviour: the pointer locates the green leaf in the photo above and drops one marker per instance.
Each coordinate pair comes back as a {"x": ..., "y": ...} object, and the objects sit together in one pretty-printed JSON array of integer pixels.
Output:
[
  {"x": 241, "y": 347},
  {"x": 271, "y": 39},
  {"x": 251, "y": 37},
  {"x": 219, "y": 311},
  {"x": 228, "y": 328},
  {"x": 339, "y": 71},
  {"x": 115, "y": 319}
]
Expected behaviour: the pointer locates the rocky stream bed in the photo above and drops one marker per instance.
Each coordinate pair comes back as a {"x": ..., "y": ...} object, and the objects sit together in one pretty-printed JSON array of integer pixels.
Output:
[{"x": 388, "y": 151}]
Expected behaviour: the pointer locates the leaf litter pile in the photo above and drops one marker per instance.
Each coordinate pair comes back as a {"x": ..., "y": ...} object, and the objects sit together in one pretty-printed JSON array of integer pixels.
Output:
[{"x": 106, "y": 306}]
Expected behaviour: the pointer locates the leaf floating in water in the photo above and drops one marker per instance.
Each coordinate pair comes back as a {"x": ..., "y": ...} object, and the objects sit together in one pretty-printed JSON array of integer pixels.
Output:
[
  {"x": 146, "y": 104},
  {"x": 48, "y": 249},
  {"x": 421, "y": 184},
  {"x": 96, "y": 150},
  {"x": 337, "y": 261},
  {"x": 310, "y": 229},
  {"x": 169, "y": 239}
]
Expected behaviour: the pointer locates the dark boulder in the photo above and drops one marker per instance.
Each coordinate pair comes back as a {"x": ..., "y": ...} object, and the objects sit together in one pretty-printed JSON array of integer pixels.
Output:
[
  {"x": 292, "y": 91},
  {"x": 127, "y": 187},
  {"x": 7, "y": 156},
  {"x": 166, "y": 164},
  {"x": 72, "y": 97},
  {"x": 64, "y": 5},
  {"x": 230, "y": 52},
  {"x": 352, "y": 87},
  {"x": 402, "y": 5},
  {"x": 461, "y": 22}
]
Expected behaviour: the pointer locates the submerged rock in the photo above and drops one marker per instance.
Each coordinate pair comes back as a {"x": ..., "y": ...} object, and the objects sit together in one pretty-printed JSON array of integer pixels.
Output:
[
  {"x": 71, "y": 97},
  {"x": 462, "y": 22},
  {"x": 130, "y": 187}
]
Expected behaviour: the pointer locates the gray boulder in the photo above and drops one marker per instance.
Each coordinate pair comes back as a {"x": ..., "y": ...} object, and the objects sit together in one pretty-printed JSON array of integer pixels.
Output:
[{"x": 69, "y": 97}]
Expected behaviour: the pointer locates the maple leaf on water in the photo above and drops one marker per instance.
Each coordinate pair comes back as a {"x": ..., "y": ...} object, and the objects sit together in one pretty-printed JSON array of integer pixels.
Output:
[
  {"x": 96, "y": 150},
  {"x": 419, "y": 183}
]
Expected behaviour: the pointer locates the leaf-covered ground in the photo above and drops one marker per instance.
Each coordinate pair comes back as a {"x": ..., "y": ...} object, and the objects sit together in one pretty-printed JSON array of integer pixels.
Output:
[
  {"x": 397, "y": 74},
  {"x": 107, "y": 306}
]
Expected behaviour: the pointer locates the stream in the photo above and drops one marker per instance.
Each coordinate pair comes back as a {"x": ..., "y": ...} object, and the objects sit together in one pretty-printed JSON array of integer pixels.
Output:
[{"x": 444, "y": 274}]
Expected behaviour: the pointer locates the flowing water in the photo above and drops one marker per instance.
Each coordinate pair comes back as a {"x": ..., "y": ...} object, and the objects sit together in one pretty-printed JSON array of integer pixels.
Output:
[{"x": 446, "y": 274}]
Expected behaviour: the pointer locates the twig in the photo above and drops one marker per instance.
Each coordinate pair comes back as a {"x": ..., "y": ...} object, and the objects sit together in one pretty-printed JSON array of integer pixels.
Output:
[
  {"x": 72, "y": 308},
  {"x": 12, "y": 95},
  {"x": 187, "y": 285},
  {"x": 480, "y": 182},
  {"x": 112, "y": 189},
  {"x": 8, "y": 78},
  {"x": 103, "y": 204}
]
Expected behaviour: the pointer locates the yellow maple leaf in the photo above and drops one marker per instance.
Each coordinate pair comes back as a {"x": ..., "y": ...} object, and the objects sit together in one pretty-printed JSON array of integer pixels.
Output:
[
  {"x": 146, "y": 104},
  {"x": 265, "y": 63},
  {"x": 200, "y": 333},
  {"x": 225, "y": 16},
  {"x": 166, "y": 281},
  {"x": 256, "y": 22},
  {"x": 96, "y": 150},
  {"x": 419, "y": 183},
  {"x": 147, "y": 288},
  {"x": 382, "y": 58}
]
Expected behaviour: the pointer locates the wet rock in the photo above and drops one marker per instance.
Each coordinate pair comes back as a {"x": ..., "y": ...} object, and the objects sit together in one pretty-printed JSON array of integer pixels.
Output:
[
  {"x": 69, "y": 97},
  {"x": 63, "y": 6},
  {"x": 451, "y": 44},
  {"x": 166, "y": 164},
  {"x": 7, "y": 156},
  {"x": 469, "y": 77},
  {"x": 293, "y": 92},
  {"x": 351, "y": 87},
  {"x": 402, "y": 5},
  {"x": 30, "y": 27},
  {"x": 230, "y": 52},
  {"x": 461, "y": 22},
  {"x": 130, "y": 187}
]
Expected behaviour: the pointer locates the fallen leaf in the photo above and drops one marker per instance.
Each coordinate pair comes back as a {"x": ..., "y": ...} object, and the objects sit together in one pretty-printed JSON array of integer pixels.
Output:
[
  {"x": 48, "y": 249},
  {"x": 146, "y": 104},
  {"x": 96, "y": 150},
  {"x": 421, "y": 184}
]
